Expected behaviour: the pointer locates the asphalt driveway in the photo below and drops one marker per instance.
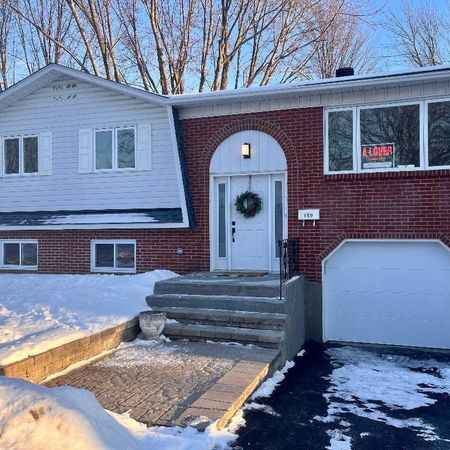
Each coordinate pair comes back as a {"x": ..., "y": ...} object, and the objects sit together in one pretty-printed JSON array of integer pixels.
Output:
[{"x": 342, "y": 397}]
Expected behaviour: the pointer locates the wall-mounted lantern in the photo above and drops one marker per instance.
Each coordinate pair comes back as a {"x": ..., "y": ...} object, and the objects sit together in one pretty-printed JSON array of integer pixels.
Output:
[{"x": 246, "y": 151}]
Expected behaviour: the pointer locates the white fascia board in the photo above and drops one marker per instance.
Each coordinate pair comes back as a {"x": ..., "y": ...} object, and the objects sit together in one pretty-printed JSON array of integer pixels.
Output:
[{"x": 308, "y": 87}]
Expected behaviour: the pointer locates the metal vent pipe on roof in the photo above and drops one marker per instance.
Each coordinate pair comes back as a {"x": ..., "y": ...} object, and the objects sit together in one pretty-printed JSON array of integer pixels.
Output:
[{"x": 345, "y": 72}]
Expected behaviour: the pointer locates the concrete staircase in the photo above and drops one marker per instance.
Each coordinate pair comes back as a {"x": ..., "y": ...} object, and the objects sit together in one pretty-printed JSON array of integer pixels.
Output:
[{"x": 210, "y": 306}]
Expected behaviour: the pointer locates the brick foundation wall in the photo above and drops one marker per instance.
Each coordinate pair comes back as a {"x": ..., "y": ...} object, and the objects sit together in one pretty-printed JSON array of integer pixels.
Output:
[{"x": 414, "y": 205}]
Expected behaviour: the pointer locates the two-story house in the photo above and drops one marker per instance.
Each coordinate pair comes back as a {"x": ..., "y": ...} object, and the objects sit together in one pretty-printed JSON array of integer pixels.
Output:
[{"x": 100, "y": 177}]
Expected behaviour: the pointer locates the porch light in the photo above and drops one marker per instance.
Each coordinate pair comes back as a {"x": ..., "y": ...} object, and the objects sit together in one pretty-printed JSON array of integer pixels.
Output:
[{"x": 246, "y": 151}]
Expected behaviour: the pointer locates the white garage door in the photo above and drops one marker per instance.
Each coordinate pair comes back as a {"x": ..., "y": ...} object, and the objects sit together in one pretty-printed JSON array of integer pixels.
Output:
[{"x": 388, "y": 292}]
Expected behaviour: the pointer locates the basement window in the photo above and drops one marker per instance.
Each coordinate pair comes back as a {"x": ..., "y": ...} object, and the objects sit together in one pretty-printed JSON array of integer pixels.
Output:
[
  {"x": 113, "y": 256},
  {"x": 19, "y": 255}
]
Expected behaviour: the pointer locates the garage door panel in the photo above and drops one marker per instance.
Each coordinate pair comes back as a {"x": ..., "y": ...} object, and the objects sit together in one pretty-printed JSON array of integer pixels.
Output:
[
  {"x": 389, "y": 280},
  {"x": 382, "y": 322},
  {"x": 385, "y": 292}
]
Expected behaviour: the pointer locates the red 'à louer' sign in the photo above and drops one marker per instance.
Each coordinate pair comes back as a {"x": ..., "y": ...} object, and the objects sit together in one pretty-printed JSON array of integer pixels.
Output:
[{"x": 377, "y": 155}]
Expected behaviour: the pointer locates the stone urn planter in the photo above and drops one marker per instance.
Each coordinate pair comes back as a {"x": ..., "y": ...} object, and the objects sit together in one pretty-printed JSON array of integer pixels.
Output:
[{"x": 152, "y": 323}]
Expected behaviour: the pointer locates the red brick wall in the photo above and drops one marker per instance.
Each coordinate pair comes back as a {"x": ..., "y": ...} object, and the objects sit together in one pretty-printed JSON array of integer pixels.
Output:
[
  {"x": 390, "y": 205},
  {"x": 384, "y": 205}
]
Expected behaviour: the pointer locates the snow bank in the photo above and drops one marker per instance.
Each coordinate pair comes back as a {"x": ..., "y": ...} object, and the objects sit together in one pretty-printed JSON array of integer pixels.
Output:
[
  {"x": 39, "y": 312},
  {"x": 40, "y": 418}
]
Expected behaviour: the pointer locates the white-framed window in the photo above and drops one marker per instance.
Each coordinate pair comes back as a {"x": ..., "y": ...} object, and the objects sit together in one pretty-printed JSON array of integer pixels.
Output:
[
  {"x": 113, "y": 256},
  {"x": 19, "y": 254},
  {"x": 437, "y": 132},
  {"x": 26, "y": 155},
  {"x": 20, "y": 155},
  {"x": 115, "y": 148},
  {"x": 389, "y": 138}
]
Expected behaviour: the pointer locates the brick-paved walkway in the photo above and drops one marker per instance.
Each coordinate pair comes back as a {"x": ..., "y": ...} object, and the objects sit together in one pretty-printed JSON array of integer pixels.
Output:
[{"x": 160, "y": 383}]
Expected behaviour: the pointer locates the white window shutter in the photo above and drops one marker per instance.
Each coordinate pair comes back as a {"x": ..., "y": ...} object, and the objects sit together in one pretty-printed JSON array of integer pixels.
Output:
[
  {"x": 45, "y": 154},
  {"x": 144, "y": 147},
  {"x": 86, "y": 151}
]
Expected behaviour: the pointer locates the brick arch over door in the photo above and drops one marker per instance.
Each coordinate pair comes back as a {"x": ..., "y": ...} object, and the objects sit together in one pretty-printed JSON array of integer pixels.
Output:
[
  {"x": 249, "y": 123},
  {"x": 233, "y": 125}
]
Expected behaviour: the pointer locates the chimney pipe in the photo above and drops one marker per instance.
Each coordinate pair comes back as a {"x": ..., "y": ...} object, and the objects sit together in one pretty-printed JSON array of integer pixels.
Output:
[{"x": 345, "y": 72}]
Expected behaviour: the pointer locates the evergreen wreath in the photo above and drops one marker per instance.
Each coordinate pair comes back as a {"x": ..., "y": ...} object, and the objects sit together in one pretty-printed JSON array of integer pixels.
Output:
[{"x": 248, "y": 204}]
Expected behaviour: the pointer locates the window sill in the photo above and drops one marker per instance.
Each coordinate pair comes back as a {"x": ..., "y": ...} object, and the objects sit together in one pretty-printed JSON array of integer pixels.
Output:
[
  {"x": 109, "y": 171},
  {"x": 413, "y": 173},
  {"x": 19, "y": 175},
  {"x": 22, "y": 268},
  {"x": 109, "y": 270}
]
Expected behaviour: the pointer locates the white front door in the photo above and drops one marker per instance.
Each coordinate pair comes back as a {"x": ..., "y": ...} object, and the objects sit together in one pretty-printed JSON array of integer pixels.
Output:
[
  {"x": 249, "y": 249},
  {"x": 241, "y": 243}
]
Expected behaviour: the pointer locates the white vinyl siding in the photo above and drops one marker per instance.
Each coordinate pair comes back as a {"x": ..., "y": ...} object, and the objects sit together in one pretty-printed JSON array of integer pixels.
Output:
[
  {"x": 19, "y": 254},
  {"x": 385, "y": 92},
  {"x": 73, "y": 184},
  {"x": 113, "y": 256}
]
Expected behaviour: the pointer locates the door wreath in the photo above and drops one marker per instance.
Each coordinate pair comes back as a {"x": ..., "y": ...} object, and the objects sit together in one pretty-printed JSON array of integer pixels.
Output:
[{"x": 248, "y": 204}]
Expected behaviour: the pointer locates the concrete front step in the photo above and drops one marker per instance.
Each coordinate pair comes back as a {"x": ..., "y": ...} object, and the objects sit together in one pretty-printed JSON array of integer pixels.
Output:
[
  {"x": 221, "y": 317},
  {"x": 225, "y": 302},
  {"x": 218, "y": 287},
  {"x": 261, "y": 338}
]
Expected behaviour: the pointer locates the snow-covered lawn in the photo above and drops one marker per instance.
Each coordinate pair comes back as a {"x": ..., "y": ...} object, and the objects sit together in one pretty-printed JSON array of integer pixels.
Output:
[
  {"x": 40, "y": 418},
  {"x": 39, "y": 312}
]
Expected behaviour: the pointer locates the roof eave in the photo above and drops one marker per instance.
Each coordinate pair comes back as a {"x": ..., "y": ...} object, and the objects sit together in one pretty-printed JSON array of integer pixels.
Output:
[
  {"x": 332, "y": 85},
  {"x": 89, "y": 78}
]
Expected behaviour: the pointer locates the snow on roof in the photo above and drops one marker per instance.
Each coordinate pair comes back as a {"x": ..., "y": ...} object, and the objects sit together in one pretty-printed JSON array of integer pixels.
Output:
[{"x": 76, "y": 218}]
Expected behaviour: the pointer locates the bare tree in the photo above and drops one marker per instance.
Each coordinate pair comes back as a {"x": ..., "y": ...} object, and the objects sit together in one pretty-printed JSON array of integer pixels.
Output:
[
  {"x": 171, "y": 46},
  {"x": 98, "y": 25},
  {"x": 344, "y": 42},
  {"x": 40, "y": 49},
  {"x": 5, "y": 44},
  {"x": 421, "y": 33}
]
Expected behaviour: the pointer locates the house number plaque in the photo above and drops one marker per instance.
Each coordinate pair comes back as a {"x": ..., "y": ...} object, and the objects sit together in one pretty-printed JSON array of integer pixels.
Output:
[{"x": 309, "y": 214}]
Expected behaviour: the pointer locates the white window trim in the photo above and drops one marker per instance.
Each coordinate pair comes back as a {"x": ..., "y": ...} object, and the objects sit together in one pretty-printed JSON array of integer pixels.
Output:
[
  {"x": 425, "y": 127},
  {"x": 423, "y": 138},
  {"x": 114, "y": 269},
  {"x": 22, "y": 172},
  {"x": 19, "y": 266},
  {"x": 115, "y": 167}
]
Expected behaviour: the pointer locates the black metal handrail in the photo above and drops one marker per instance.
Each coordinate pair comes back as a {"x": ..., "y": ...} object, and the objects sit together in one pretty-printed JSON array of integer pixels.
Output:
[{"x": 289, "y": 266}]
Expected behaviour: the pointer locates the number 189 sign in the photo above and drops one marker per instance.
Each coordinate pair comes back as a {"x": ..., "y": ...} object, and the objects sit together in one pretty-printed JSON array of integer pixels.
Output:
[{"x": 374, "y": 156}]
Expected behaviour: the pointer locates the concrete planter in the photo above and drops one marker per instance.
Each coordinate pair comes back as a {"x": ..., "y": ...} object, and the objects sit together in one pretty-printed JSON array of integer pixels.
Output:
[{"x": 152, "y": 323}]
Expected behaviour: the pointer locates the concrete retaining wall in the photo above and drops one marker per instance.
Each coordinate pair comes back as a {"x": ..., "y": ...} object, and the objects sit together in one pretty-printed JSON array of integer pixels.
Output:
[
  {"x": 38, "y": 367},
  {"x": 294, "y": 294},
  {"x": 313, "y": 310}
]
